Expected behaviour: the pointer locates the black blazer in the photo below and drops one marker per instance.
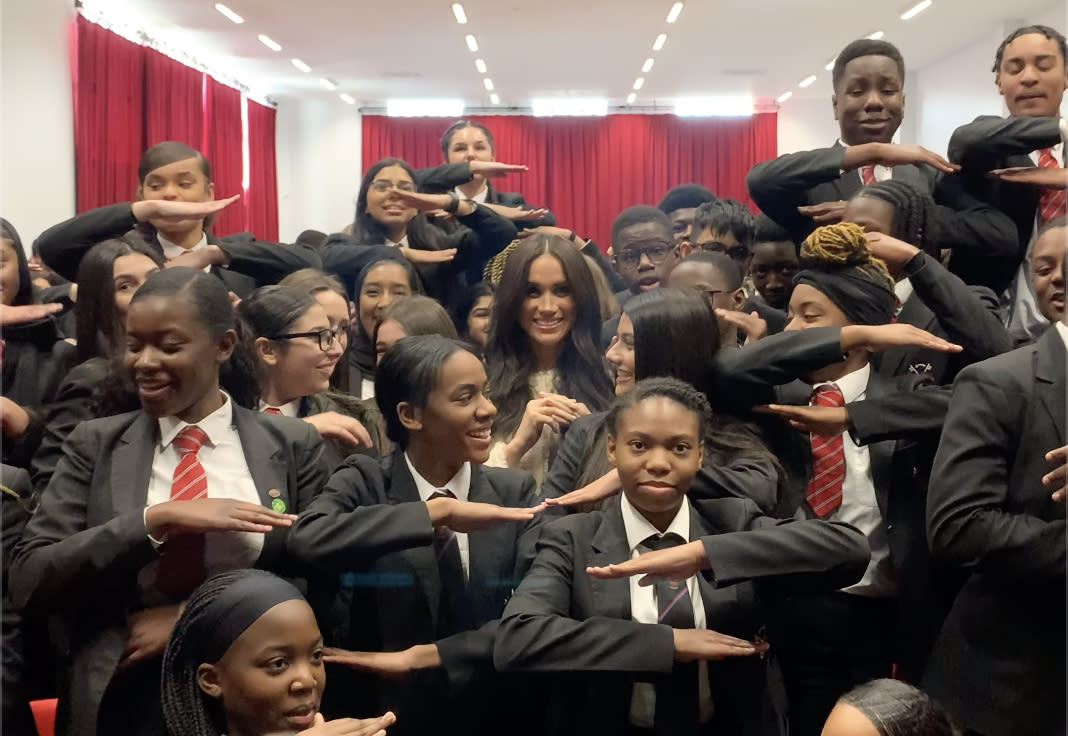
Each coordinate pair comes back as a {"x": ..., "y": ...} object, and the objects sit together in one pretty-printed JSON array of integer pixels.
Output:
[
  {"x": 980, "y": 236},
  {"x": 576, "y": 630},
  {"x": 446, "y": 177},
  {"x": 991, "y": 142},
  {"x": 15, "y": 633},
  {"x": 370, "y": 531},
  {"x": 999, "y": 665},
  {"x": 253, "y": 262},
  {"x": 81, "y": 553}
]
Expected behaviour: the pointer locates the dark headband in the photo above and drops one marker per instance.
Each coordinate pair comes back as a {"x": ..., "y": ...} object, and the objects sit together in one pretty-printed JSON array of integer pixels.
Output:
[
  {"x": 237, "y": 608},
  {"x": 863, "y": 300}
]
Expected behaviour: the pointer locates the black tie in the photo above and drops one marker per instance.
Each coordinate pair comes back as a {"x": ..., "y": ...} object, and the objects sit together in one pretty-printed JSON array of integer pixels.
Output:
[
  {"x": 453, "y": 608},
  {"x": 677, "y": 711}
]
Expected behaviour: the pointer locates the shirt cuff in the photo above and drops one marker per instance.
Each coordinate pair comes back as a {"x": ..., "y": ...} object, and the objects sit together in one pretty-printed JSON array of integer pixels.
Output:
[{"x": 157, "y": 544}]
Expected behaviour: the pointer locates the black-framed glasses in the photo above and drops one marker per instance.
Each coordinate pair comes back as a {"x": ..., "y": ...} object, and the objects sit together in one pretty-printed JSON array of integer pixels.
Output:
[
  {"x": 384, "y": 185},
  {"x": 656, "y": 253},
  {"x": 325, "y": 337}
]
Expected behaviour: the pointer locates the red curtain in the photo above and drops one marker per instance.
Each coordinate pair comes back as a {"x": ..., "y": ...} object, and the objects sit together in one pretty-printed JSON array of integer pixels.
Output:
[
  {"x": 588, "y": 169},
  {"x": 262, "y": 194},
  {"x": 109, "y": 76},
  {"x": 224, "y": 150},
  {"x": 174, "y": 101}
]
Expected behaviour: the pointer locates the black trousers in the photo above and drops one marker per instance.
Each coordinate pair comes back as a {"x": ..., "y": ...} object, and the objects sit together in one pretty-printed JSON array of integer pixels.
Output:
[{"x": 828, "y": 644}]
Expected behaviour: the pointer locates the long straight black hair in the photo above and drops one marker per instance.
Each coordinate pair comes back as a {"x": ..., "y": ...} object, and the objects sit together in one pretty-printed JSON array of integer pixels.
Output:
[
  {"x": 580, "y": 371},
  {"x": 421, "y": 234}
]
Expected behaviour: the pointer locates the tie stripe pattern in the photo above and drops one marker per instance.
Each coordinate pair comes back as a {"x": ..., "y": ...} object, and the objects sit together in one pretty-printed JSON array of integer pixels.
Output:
[
  {"x": 190, "y": 481},
  {"x": 181, "y": 568},
  {"x": 1051, "y": 203},
  {"x": 272, "y": 410},
  {"x": 824, "y": 492},
  {"x": 867, "y": 175}
]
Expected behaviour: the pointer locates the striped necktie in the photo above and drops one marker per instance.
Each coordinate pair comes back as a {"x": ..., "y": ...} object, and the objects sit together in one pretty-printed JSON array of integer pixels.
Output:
[{"x": 181, "y": 569}]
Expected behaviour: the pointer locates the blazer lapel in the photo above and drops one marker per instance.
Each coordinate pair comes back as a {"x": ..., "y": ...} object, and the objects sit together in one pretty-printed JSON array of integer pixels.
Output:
[
  {"x": 264, "y": 457},
  {"x": 611, "y": 598},
  {"x": 895, "y": 362},
  {"x": 491, "y": 558},
  {"x": 131, "y": 464},
  {"x": 421, "y": 559},
  {"x": 1050, "y": 367}
]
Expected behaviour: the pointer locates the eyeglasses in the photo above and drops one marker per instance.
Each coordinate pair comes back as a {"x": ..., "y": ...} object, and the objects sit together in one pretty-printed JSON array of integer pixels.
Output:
[
  {"x": 325, "y": 337},
  {"x": 655, "y": 253},
  {"x": 737, "y": 252},
  {"x": 384, "y": 185}
]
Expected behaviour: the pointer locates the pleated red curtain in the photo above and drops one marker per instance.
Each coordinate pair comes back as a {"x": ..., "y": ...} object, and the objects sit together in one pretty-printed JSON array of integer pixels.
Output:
[
  {"x": 589, "y": 169},
  {"x": 262, "y": 196},
  {"x": 224, "y": 151},
  {"x": 174, "y": 101}
]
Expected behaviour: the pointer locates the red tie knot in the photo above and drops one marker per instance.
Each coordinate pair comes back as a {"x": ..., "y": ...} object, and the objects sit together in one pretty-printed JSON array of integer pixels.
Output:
[
  {"x": 1045, "y": 158},
  {"x": 828, "y": 395},
  {"x": 190, "y": 439},
  {"x": 272, "y": 410}
]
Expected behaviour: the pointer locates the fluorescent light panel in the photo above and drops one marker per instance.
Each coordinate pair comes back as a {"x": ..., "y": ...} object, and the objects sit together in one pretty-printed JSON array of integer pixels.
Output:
[
  {"x": 575, "y": 106},
  {"x": 495, "y": 99},
  {"x": 301, "y": 65},
  {"x": 876, "y": 36},
  {"x": 806, "y": 81},
  {"x": 673, "y": 14},
  {"x": 721, "y": 106},
  {"x": 471, "y": 42},
  {"x": 238, "y": 19},
  {"x": 458, "y": 11},
  {"x": 488, "y": 83},
  {"x": 830, "y": 64},
  {"x": 480, "y": 65},
  {"x": 347, "y": 98},
  {"x": 639, "y": 82},
  {"x": 784, "y": 96},
  {"x": 269, "y": 42},
  {"x": 631, "y": 98},
  {"x": 907, "y": 15},
  {"x": 647, "y": 66},
  {"x": 329, "y": 84},
  {"x": 434, "y": 108},
  {"x": 659, "y": 42}
]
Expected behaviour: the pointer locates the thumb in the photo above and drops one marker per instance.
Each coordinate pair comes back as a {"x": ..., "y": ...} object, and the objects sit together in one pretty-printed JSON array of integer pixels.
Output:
[{"x": 319, "y": 720}]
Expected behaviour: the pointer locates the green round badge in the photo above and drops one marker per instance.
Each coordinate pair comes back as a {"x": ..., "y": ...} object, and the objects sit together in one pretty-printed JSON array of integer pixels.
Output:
[{"x": 278, "y": 505}]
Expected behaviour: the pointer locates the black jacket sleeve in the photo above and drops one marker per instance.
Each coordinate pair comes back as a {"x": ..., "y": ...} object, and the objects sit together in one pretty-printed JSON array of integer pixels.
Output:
[{"x": 780, "y": 186}]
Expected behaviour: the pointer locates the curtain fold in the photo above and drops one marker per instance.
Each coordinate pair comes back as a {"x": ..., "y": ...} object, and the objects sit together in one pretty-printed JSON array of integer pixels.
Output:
[
  {"x": 174, "y": 101},
  {"x": 262, "y": 196},
  {"x": 588, "y": 169},
  {"x": 225, "y": 152}
]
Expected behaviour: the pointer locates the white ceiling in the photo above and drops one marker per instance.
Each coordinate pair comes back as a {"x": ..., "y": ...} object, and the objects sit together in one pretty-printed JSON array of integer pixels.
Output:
[{"x": 415, "y": 48}]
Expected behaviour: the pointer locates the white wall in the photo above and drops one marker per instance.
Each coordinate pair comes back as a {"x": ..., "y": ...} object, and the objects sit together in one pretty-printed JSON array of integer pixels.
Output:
[
  {"x": 36, "y": 117},
  {"x": 805, "y": 124},
  {"x": 318, "y": 144}
]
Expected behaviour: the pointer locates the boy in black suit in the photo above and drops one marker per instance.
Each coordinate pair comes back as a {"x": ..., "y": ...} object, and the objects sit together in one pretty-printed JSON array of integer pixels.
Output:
[
  {"x": 428, "y": 545},
  {"x": 1009, "y": 162},
  {"x": 680, "y": 658},
  {"x": 680, "y": 205},
  {"x": 803, "y": 190},
  {"x": 996, "y": 507}
]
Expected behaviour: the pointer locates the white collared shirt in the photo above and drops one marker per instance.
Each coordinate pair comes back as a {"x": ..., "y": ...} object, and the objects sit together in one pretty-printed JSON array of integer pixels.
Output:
[
  {"x": 1063, "y": 330},
  {"x": 228, "y": 476},
  {"x": 460, "y": 486},
  {"x": 882, "y": 173},
  {"x": 290, "y": 409},
  {"x": 480, "y": 197},
  {"x": 1026, "y": 322},
  {"x": 644, "y": 608},
  {"x": 402, "y": 243},
  {"x": 860, "y": 507},
  {"x": 173, "y": 250},
  {"x": 902, "y": 290}
]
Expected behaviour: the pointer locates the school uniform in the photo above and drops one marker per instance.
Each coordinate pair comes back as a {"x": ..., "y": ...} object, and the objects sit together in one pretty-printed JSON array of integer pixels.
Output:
[
  {"x": 594, "y": 643},
  {"x": 15, "y": 668},
  {"x": 999, "y": 664},
  {"x": 991, "y": 142},
  {"x": 370, "y": 544},
  {"x": 449, "y": 177},
  {"x": 335, "y": 451},
  {"x": 252, "y": 263},
  {"x": 979, "y": 235},
  {"x": 86, "y": 557}
]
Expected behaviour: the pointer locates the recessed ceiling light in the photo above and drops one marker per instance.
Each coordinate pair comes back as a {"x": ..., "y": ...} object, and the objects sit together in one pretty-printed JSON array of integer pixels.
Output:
[
  {"x": 458, "y": 11},
  {"x": 238, "y": 19},
  {"x": 347, "y": 98},
  {"x": 784, "y": 96},
  {"x": 480, "y": 65},
  {"x": 907, "y": 15},
  {"x": 673, "y": 14},
  {"x": 488, "y": 83},
  {"x": 581, "y": 106},
  {"x": 806, "y": 81},
  {"x": 471, "y": 42},
  {"x": 301, "y": 65},
  {"x": 433, "y": 108},
  {"x": 631, "y": 98},
  {"x": 495, "y": 99},
  {"x": 876, "y": 36},
  {"x": 830, "y": 64},
  {"x": 328, "y": 83},
  {"x": 647, "y": 66},
  {"x": 639, "y": 82},
  {"x": 269, "y": 42},
  {"x": 659, "y": 42}
]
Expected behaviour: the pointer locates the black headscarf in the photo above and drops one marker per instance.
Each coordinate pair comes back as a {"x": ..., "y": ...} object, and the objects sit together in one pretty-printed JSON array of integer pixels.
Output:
[{"x": 862, "y": 298}]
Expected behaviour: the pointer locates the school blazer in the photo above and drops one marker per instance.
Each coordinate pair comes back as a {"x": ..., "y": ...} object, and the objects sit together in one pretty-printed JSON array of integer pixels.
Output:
[
  {"x": 980, "y": 236},
  {"x": 999, "y": 665},
  {"x": 82, "y": 550},
  {"x": 992, "y": 142},
  {"x": 576, "y": 632},
  {"x": 253, "y": 262},
  {"x": 368, "y": 543},
  {"x": 446, "y": 177}
]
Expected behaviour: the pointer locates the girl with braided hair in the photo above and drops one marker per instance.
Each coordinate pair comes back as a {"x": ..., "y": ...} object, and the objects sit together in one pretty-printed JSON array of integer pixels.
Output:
[{"x": 246, "y": 659}]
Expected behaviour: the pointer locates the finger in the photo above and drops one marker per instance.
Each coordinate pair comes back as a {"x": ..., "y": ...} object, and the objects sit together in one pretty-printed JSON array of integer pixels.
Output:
[
  {"x": 1060, "y": 455},
  {"x": 830, "y": 217},
  {"x": 363, "y": 437},
  {"x": 941, "y": 164},
  {"x": 608, "y": 572},
  {"x": 524, "y": 233},
  {"x": 1059, "y": 494},
  {"x": 735, "y": 319},
  {"x": 1056, "y": 478},
  {"x": 779, "y": 410}
]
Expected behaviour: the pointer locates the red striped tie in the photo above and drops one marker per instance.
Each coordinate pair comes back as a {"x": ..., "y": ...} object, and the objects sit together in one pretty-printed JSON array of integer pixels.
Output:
[
  {"x": 1051, "y": 203},
  {"x": 867, "y": 175},
  {"x": 824, "y": 493},
  {"x": 181, "y": 569}
]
